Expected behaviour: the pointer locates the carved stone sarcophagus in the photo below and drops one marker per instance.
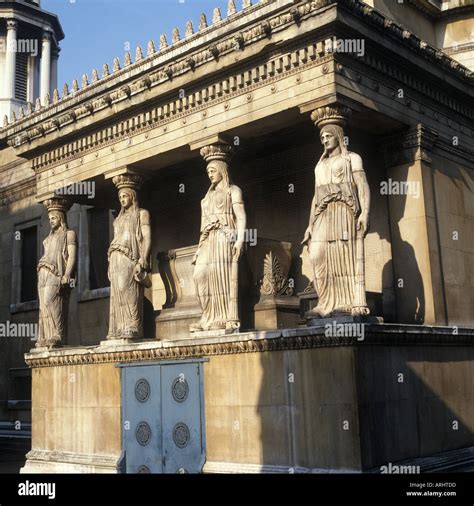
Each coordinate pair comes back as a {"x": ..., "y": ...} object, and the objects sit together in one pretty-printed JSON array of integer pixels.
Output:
[{"x": 265, "y": 291}]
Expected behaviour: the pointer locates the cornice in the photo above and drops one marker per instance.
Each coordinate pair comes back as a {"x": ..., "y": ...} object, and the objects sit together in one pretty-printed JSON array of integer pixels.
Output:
[
  {"x": 18, "y": 191},
  {"x": 399, "y": 33},
  {"x": 419, "y": 144},
  {"x": 427, "y": 7},
  {"x": 392, "y": 74},
  {"x": 405, "y": 147},
  {"x": 437, "y": 12},
  {"x": 219, "y": 92},
  {"x": 251, "y": 342},
  {"x": 460, "y": 48},
  {"x": 185, "y": 55},
  {"x": 239, "y": 83},
  {"x": 165, "y": 66}
]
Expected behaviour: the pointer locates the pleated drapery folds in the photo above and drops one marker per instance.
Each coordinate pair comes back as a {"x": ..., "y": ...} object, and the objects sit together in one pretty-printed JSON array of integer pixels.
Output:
[{"x": 336, "y": 247}]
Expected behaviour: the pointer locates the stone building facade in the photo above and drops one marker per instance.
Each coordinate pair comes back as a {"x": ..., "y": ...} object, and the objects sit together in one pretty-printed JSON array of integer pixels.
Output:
[{"x": 252, "y": 79}]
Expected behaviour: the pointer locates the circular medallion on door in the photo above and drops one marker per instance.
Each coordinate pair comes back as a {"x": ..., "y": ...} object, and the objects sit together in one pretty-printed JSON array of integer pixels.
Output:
[
  {"x": 143, "y": 470},
  {"x": 142, "y": 390},
  {"x": 181, "y": 435},
  {"x": 143, "y": 433},
  {"x": 180, "y": 389}
]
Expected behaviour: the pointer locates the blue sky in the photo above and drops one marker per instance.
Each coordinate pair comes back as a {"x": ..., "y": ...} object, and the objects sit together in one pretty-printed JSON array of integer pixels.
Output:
[{"x": 98, "y": 30}]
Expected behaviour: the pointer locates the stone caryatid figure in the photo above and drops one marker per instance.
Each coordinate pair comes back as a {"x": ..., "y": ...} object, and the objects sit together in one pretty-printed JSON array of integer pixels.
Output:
[
  {"x": 129, "y": 261},
  {"x": 338, "y": 221},
  {"x": 223, "y": 222},
  {"x": 56, "y": 275}
]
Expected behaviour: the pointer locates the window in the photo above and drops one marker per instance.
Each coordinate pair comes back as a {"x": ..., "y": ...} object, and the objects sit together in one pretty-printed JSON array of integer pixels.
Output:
[
  {"x": 26, "y": 252},
  {"x": 19, "y": 390},
  {"x": 94, "y": 240},
  {"x": 21, "y": 76},
  {"x": 29, "y": 262},
  {"x": 98, "y": 221}
]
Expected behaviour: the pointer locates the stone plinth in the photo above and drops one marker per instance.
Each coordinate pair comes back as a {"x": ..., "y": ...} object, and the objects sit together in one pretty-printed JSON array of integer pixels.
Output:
[
  {"x": 266, "y": 297},
  {"x": 293, "y": 400}
]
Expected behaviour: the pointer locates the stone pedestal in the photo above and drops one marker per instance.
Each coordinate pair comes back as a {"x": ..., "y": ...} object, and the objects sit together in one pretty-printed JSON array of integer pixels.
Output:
[
  {"x": 181, "y": 308},
  {"x": 266, "y": 299},
  {"x": 314, "y": 320},
  {"x": 293, "y": 400}
]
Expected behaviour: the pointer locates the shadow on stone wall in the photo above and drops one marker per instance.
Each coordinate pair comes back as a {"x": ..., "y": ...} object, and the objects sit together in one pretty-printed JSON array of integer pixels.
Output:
[{"x": 398, "y": 403}]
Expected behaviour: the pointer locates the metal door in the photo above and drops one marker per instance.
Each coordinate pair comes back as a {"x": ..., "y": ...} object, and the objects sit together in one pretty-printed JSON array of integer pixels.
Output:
[
  {"x": 183, "y": 418},
  {"x": 163, "y": 417},
  {"x": 141, "y": 420}
]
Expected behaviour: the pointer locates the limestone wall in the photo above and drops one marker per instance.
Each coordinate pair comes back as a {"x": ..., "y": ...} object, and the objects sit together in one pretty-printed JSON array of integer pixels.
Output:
[{"x": 454, "y": 191}]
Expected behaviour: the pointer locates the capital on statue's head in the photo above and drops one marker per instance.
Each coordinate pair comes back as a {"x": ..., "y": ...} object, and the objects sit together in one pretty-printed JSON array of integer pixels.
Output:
[
  {"x": 58, "y": 204},
  {"x": 133, "y": 181},
  {"x": 331, "y": 115},
  {"x": 222, "y": 152}
]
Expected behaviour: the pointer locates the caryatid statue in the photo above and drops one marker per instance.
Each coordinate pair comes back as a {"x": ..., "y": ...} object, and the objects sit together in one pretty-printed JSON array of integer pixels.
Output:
[
  {"x": 56, "y": 275},
  {"x": 338, "y": 221},
  {"x": 222, "y": 234},
  {"x": 129, "y": 261}
]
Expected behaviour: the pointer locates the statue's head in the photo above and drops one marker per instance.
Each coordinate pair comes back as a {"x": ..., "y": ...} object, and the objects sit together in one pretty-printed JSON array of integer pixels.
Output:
[
  {"x": 57, "y": 220},
  {"x": 127, "y": 197},
  {"x": 218, "y": 171},
  {"x": 332, "y": 137}
]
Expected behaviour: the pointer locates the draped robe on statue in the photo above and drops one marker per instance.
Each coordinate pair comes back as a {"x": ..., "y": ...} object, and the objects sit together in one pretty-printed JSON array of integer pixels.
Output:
[
  {"x": 126, "y": 294},
  {"x": 216, "y": 272},
  {"x": 334, "y": 238},
  {"x": 54, "y": 298}
]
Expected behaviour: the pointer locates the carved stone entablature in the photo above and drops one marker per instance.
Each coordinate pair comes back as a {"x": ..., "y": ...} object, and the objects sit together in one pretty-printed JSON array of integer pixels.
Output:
[
  {"x": 396, "y": 31},
  {"x": 169, "y": 57},
  {"x": 271, "y": 71},
  {"x": 415, "y": 144},
  {"x": 390, "y": 74},
  {"x": 252, "y": 342}
]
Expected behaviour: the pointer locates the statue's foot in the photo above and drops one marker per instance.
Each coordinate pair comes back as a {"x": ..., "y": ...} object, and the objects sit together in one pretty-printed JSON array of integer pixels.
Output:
[
  {"x": 342, "y": 311},
  {"x": 217, "y": 326},
  {"x": 130, "y": 333},
  {"x": 360, "y": 311},
  {"x": 232, "y": 324},
  {"x": 195, "y": 327},
  {"x": 317, "y": 312},
  {"x": 50, "y": 343}
]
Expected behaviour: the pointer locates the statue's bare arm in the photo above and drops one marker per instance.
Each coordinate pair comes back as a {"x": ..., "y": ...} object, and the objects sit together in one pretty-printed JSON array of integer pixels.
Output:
[
  {"x": 71, "y": 257},
  {"x": 240, "y": 217},
  {"x": 307, "y": 234},
  {"x": 363, "y": 191},
  {"x": 146, "y": 233}
]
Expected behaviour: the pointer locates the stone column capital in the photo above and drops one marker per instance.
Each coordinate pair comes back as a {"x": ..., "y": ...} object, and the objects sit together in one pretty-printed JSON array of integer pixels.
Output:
[
  {"x": 57, "y": 204},
  {"x": 12, "y": 24},
  {"x": 334, "y": 114},
  {"x": 218, "y": 151},
  {"x": 55, "y": 52},
  {"x": 413, "y": 144},
  {"x": 128, "y": 180},
  {"x": 47, "y": 36}
]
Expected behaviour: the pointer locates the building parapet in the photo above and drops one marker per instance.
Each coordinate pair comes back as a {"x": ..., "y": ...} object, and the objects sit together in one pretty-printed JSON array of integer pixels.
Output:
[{"x": 235, "y": 33}]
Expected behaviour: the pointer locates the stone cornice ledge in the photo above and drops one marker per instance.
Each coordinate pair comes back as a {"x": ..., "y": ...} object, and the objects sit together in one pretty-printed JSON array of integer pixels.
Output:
[
  {"x": 250, "y": 342},
  {"x": 219, "y": 33},
  {"x": 173, "y": 62}
]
